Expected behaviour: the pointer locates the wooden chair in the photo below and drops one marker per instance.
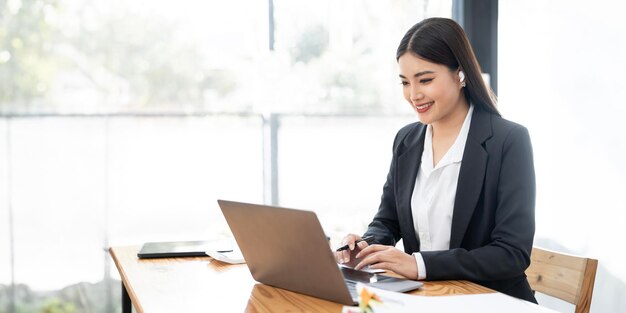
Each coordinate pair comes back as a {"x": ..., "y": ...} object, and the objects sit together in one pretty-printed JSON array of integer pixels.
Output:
[{"x": 563, "y": 276}]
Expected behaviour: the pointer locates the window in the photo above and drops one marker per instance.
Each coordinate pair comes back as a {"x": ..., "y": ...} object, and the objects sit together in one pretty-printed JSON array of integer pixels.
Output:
[{"x": 123, "y": 121}]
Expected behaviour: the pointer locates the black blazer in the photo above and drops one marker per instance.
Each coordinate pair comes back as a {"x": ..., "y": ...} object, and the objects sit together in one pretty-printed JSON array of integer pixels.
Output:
[{"x": 493, "y": 221}]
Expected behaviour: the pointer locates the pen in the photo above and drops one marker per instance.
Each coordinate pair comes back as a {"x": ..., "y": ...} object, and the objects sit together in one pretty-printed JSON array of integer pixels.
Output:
[{"x": 368, "y": 239}]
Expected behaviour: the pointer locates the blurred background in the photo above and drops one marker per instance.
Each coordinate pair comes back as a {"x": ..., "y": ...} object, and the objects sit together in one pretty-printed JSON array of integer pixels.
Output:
[{"x": 122, "y": 122}]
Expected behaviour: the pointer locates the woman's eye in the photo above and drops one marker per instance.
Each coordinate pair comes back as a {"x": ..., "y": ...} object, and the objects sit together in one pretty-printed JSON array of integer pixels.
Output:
[
  {"x": 426, "y": 80},
  {"x": 403, "y": 83}
]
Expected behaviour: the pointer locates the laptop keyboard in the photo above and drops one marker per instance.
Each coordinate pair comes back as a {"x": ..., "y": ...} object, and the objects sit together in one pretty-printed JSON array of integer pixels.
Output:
[
  {"x": 352, "y": 277},
  {"x": 351, "y": 284}
]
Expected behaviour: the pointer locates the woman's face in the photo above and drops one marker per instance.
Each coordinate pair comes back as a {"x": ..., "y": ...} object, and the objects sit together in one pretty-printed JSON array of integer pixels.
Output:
[{"x": 432, "y": 89}]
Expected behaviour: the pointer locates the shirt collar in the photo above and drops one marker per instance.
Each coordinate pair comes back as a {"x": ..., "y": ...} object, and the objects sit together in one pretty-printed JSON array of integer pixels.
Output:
[{"x": 455, "y": 153}]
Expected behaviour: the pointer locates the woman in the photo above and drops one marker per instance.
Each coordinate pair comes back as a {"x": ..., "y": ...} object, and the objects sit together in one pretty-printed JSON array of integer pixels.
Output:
[{"x": 461, "y": 188}]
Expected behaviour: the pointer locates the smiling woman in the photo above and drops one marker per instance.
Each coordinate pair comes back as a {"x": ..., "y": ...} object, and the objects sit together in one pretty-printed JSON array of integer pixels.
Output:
[
  {"x": 445, "y": 46},
  {"x": 460, "y": 192},
  {"x": 433, "y": 84}
]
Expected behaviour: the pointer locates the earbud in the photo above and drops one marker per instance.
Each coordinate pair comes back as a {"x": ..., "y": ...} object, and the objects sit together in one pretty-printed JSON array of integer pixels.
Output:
[{"x": 461, "y": 76}]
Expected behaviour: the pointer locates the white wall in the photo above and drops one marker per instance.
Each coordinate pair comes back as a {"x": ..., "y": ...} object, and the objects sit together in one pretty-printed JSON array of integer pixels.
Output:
[{"x": 561, "y": 74}]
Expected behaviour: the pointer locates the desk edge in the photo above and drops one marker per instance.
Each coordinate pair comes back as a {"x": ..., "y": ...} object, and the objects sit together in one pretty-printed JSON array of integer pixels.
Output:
[{"x": 129, "y": 288}]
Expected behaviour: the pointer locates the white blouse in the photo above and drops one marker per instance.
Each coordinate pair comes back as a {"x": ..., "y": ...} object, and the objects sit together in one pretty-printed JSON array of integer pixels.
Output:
[{"x": 432, "y": 203}]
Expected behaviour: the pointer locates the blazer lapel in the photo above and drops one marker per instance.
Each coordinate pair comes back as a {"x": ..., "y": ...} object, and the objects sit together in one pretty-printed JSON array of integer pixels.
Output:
[
  {"x": 406, "y": 171},
  {"x": 471, "y": 176}
]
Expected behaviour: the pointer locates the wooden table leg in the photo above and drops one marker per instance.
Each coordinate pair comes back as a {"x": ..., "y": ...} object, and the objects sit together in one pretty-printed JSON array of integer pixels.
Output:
[{"x": 127, "y": 305}]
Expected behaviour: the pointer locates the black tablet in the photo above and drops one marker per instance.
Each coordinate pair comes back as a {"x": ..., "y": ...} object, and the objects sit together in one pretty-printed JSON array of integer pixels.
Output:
[{"x": 179, "y": 249}]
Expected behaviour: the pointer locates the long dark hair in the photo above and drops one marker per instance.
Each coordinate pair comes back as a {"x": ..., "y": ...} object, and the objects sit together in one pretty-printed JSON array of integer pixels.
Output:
[{"x": 443, "y": 41}]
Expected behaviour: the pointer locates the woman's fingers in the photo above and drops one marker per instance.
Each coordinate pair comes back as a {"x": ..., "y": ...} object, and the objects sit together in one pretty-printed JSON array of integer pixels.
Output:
[
  {"x": 343, "y": 256},
  {"x": 370, "y": 249},
  {"x": 388, "y": 258},
  {"x": 362, "y": 244},
  {"x": 371, "y": 254},
  {"x": 383, "y": 266}
]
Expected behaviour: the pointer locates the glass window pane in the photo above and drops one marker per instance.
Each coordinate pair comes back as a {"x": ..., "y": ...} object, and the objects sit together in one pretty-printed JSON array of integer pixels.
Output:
[
  {"x": 57, "y": 194},
  {"x": 135, "y": 116},
  {"x": 5, "y": 236},
  {"x": 103, "y": 56},
  {"x": 336, "y": 167},
  {"x": 339, "y": 56},
  {"x": 166, "y": 173}
]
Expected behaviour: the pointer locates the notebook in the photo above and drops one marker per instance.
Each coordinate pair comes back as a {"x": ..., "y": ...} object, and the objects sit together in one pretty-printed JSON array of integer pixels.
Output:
[{"x": 181, "y": 249}]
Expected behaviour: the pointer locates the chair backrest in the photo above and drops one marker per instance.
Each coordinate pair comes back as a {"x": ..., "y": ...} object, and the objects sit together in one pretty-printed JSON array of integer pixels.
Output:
[{"x": 563, "y": 276}]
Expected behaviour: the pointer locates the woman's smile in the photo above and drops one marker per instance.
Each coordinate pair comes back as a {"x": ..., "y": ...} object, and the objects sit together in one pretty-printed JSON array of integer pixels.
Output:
[{"x": 422, "y": 108}]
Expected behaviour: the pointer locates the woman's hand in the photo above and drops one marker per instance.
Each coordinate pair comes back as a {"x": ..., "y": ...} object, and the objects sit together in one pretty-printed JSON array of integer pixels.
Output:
[
  {"x": 388, "y": 258},
  {"x": 344, "y": 256}
]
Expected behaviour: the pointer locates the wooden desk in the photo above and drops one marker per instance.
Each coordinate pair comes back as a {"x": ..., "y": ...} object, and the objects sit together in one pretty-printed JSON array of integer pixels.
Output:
[{"x": 204, "y": 285}]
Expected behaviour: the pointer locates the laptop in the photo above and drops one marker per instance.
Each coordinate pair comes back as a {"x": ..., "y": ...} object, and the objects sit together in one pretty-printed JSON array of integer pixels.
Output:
[{"x": 287, "y": 248}]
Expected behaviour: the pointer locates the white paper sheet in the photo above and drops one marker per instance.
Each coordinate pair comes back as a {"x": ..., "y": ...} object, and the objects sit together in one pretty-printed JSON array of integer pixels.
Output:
[{"x": 479, "y": 303}]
